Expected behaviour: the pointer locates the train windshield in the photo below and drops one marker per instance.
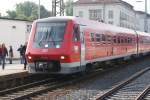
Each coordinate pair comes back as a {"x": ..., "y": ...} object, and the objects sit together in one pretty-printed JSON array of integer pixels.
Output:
[{"x": 49, "y": 35}]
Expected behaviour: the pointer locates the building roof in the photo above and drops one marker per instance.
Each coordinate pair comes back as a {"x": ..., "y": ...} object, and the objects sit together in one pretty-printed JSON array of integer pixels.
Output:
[
  {"x": 4, "y": 18},
  {"x": 102, "y": 2},
  {"x": 142, "y": 13}
]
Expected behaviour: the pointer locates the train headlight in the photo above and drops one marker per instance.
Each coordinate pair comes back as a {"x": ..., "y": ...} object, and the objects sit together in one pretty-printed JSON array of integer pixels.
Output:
[
  {"x": 62, "y": 57},
  {"x": 58, "y": 46},
  {"x": 46, "y": 45},
  {"x": 29, "y": 57}
]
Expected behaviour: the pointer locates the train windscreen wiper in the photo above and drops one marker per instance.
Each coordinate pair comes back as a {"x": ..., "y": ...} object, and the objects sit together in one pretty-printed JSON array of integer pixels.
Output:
[
  {"x": 43, "y": 38},
  {"x": 51, "y": 36}
]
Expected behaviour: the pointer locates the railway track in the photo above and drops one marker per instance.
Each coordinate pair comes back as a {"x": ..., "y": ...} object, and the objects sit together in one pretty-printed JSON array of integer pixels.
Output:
[
  {"x": 34, "y": 89},
  {"x": 134, "y": 88},
  {"x": 21, "y": 92},
  {"x": 14, "y": 82},
  {"x": 145, "y": 95},
  {"x": 47, "y": 85}
]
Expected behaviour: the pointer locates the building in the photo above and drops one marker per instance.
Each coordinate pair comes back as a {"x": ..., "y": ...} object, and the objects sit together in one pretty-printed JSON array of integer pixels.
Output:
[
  {"x": 140, "y": 23},
  {"x": 14, "y": 32},
  {"x": 116, "y": 12}
]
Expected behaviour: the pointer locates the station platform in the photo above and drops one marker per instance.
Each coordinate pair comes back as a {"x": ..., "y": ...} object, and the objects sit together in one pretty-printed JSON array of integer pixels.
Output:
[{"x": 12, "y": 71}]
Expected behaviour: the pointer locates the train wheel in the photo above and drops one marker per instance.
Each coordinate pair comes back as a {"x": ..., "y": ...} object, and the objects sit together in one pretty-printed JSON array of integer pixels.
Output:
[{"x": 88, "y": 68}]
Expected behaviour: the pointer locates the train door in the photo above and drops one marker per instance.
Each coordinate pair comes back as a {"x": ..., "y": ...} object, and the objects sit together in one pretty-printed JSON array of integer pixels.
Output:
[
  {"x": 137, "y": 43},
  {"x": 82, "y": 48}
]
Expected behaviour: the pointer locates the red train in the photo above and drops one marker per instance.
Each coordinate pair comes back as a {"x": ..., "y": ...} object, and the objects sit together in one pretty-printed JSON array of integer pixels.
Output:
[{"x": 69, "y": 44}]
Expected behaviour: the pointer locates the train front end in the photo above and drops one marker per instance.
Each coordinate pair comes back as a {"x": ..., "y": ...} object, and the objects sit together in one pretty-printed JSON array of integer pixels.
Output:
[{"x": 49, "y": 48}]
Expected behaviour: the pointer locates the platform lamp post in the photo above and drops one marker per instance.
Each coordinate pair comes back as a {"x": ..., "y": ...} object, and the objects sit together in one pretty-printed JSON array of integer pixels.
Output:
[
  {"x": 145, "y": 19},
  {"x": 39, "y": 10}
]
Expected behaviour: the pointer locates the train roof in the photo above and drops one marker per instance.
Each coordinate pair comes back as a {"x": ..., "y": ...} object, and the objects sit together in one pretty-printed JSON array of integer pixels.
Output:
[
  {"x": 103, "y": 26},
  {"x": 56, "y": 19},
  {"x": 91, "y": 23},
  {"x": 143, "y": 33}
]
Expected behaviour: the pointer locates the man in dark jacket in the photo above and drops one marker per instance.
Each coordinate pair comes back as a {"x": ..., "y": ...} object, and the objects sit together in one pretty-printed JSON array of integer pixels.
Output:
[
  {"x": 10, "y": 54},
  {"x": 0, "y": 54},
  {"x": 4, "y": 54},
  {"x": 24, "y": 58},
  {"x": 21, "y": 54}
]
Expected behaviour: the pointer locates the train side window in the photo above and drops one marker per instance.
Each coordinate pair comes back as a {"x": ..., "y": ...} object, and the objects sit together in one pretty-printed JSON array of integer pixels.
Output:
[
  {"x": 122, "y": 41},
  {"x": 126, "y": 40},
  {"x": 134, "y": 40},
  {"x": 142, "y": 41},
  {"x": 118, "y": 40},
  {"x": 109, "y": 39},
  {"x": 130, "y": 40},
  {"x": 92, "y": 37},
  {"x": 103, "y": 38},
  {"x": 115, "y": 40},
  {"x": 97, "y": 37},
  {"x": 76, "y": 33}
]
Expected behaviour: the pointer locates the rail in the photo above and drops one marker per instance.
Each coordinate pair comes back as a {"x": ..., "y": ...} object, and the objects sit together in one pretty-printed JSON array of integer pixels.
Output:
[{"x": 121, "y": 85}]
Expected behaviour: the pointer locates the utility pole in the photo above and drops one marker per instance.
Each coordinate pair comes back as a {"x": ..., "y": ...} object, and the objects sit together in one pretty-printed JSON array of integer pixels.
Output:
[
  {"x": 145, "y": 21},
  {"x": 58, "y": 7},
  {"x": 70, "y": 7},
  {"x": 39, "y": 10},
  {"x": 104, "y": 11}
]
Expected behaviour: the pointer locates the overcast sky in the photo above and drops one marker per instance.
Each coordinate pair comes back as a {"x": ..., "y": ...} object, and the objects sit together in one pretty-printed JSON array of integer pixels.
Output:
[{"x": 10, "y": 4}]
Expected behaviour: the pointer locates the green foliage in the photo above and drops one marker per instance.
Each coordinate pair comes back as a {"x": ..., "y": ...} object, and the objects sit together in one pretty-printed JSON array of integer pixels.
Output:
[
  {"x": 43, "y": 12},
  {"x": 28, "y": 11},
  {"x": 69, "y": 8},
  {"x": 12, "y": 14}
]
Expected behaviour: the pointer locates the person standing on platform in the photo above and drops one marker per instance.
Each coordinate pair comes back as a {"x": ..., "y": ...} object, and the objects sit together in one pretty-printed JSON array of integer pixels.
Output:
[
  {"x": 4, "y": 54},
  {"x": 0, "y": 54},
  {"x": 21, "y": 54},
  {"x": 10, "y": 54},
  {"x": 24, "y": 58}
]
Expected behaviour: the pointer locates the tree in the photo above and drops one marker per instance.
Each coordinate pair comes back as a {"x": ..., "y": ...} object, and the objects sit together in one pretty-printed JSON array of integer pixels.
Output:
[
  {"x": 69, "y": 8},
  {"x": 12, "y": 14},
  {"x": 28, "y": 10},
  {"x": 44, "y": 12}
]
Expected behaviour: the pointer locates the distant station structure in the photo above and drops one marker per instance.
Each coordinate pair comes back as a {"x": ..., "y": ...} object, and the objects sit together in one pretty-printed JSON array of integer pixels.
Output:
[
  {"x": 58, "y": 7},
  {"x": 140, "y": 17},
  {"x": 115, "y": 12},
  {"x": 14, "y": 32}
]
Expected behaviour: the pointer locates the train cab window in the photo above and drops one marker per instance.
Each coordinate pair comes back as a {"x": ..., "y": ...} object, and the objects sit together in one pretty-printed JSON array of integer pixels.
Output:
[
  {"x": 76, "y": 33},
  {"x": 92, "y": 37},
  {"x": 97, "y": 37},
  {"x": 49, "y": 34}
]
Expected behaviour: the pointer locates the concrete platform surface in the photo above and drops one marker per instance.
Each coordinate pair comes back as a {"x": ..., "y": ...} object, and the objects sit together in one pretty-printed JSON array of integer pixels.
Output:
[{"x": 12, "y": 71}]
